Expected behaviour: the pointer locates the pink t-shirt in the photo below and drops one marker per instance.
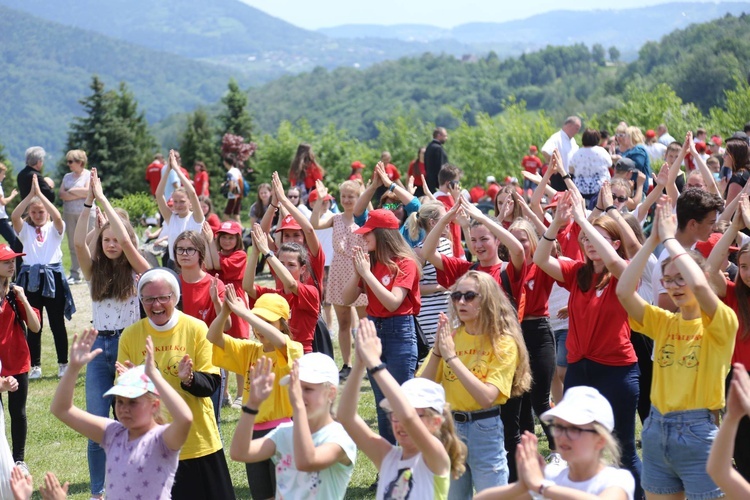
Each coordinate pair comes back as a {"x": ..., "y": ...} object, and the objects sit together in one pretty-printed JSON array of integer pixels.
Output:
[{"x": 141, "y": 468}]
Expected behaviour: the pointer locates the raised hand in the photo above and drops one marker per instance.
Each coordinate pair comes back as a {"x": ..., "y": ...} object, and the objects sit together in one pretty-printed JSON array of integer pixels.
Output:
[
  {"x": 185, "y": 369},
  {"x": 528, "y": 463},
  {"x": 744, "y": 207},
  {"x": 425, "y": 188},
  {"x": 207, "y": 232},
  {"x": 21, "y": 485},
  {"x": 96, "y": 185},
  {"x": 35, "y": 185},
  {"x": 666, "y": 224},
  {"x": 213, "y": 289},
  {"x": 321, "y": 189},
  {"x": 80, "y": 350},
  {"x": 121, "y": 368},
  {"x": 663, "y": 178},
  {"x": 361, "y": 261},
  {"x": 738, "y": 221},
  {"x": 260, "y": 241},
  {"x": 52, "y": 490},
  {"x": 261, "y": 382},
  {"x": 151, "y": 370},
  {"x": 295, "y": 388},
  {"x": 384, "y": 179},
  {"x": 173, "y": 160},
  {"x": 277, "y": 188},
  {"x": 605, "y": 195},
  {"x": 232, "y": 301},
  {"x": 369, "y": 348},
  {"x": 447, "y": 346},
  {"x": 410, "y": 185}
]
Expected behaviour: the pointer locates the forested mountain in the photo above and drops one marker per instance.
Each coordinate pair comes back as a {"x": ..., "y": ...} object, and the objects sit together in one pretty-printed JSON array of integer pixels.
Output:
[
  {"x": 45, "y": 68},
  {"x": 628, "y": 29},
  {"x": 224, "y": 31}
]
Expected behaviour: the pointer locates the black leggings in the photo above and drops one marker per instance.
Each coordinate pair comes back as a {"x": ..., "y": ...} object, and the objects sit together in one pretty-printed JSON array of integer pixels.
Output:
[
  {"x": 516, "y": 413},
  {"x": 18, "y": 422},
  {"x": 56, "y": 313}
]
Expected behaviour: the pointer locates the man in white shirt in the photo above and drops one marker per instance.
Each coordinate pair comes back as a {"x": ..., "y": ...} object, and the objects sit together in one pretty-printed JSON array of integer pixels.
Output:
[
  {"x": 564, "y": 141},
  {"x": 663, "y": 134},
  {"x": 656, "y": 150}
]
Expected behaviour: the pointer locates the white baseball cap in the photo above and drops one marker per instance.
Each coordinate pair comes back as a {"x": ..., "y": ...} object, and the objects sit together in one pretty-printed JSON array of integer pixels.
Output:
[
  {"x": 421, "y": 393},
  {"x": 491, "y": 179},
  {"x": 315, "y": 368},
  {"x": 582, "y": 405},
  {"x": 132, "y": 384}
]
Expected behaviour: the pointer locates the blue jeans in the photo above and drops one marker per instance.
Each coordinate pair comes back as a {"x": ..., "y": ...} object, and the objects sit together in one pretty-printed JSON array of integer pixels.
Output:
[
  {"x": 675, "y": 452},
  {"x": 486, "y": 465},
  {"x": 100, "y": 377},
  {"x": 561, "y": 358},
  {"x": 619, "y": 384},
  {"x": 399, "y": 340}
]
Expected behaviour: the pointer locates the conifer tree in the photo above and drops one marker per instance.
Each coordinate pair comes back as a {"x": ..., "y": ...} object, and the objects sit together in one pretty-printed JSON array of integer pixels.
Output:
[
  {"x": 198, "y": 142},
  {"x": 235, "y": 119}
]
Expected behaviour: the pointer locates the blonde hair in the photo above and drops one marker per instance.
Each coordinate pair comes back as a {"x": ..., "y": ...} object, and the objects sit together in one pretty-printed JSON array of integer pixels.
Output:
[
  {"x": 527, "y": 227},
  {"x": 421, "y": 218},
  {"x": 497, "y": 318},
  {"x": 35, "y": 201},
  {"x": 635, "y": 134},
  {"x": 610, "y": 455},
  {"x": 78, "y": 155},
  {"x": 452, "y": 443},
  {"x": 353, "y": 186}
]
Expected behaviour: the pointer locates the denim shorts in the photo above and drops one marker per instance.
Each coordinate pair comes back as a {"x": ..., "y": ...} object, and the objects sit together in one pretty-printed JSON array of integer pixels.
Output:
[
  {"x": 561, "y": 358},
  {"x": 486, "y": 464},
  {"x": 675, "y": 452}
]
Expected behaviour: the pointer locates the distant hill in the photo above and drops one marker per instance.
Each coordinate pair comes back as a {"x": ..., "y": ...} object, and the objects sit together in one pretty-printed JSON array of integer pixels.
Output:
[
  {"x": 228, "y": 32},
  {"x": 627, "y": 29},
  {"x": 45, "y": 68}
]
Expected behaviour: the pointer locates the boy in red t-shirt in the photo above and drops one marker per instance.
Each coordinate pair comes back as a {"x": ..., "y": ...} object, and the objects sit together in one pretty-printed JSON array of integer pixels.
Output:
[
  {"x": 449, "y": 186},
  {"x": 533, "y": 165}
]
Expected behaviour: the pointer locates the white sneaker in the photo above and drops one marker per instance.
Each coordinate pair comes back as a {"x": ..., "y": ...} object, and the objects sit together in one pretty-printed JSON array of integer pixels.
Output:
[
  {"x": 61, "y": 369},
  {"x": 24, "y": 468},
  {"x": 35, "y": 373},
  {"x": 555, "y": 464}
]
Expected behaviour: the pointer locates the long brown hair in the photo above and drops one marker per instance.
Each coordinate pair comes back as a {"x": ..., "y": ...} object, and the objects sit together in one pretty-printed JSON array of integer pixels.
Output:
[
  {"x": 303, "y": 159},
  {"x": 497, "y": 319},
  {"x": 743, "y": 297},
  {"x": 112, "y": 278},
  {"x": 390, "y": 246},
  {"x": 586, "y": 272}
]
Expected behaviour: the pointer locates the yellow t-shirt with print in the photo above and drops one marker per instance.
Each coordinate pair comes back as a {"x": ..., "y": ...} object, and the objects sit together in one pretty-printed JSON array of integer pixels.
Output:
[
  {"x": 187, "y": 337},
  {"x": 691, "y": 357},
  {"x": 239, "y": 356},
  {"x": 477, "y": 354}
]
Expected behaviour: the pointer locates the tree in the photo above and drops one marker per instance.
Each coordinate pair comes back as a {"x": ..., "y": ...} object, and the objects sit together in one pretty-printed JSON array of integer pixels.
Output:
[
  {"x": 115, "y": 136},
  {"x": 235, "y": 119},
  {"x": 198, "y": 143},
  {"x": 598, "y": 54},
  {"x": 614, "y": 54}
]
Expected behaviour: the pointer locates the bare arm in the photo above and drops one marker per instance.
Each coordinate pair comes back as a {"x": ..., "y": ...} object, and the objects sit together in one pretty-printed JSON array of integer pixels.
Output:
[
  {"x": 614, "y": 263},
  {"x": 310, "y": 237},
  {"x": 32, "y": 321},
  {"x": 270, "y": 332},
  {"x": 248, "y": 280},
  {"x": 715, "y": 261},
  {"x": 364, "y": 199},
  {"x": 432, "y": 240},
  {"x": 161, "y": 201},
  {"x": 391, "y": 299},
  {"x": 214, "y": 253},
  {"x": 317, "y": 213},
  {"x": 83, "y": 252},
  {"x": 515, "y": 249}
]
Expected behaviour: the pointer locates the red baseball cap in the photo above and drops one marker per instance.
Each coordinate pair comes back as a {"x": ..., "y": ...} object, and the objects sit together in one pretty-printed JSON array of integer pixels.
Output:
[
  {"x": 358, "y": 164},
  {"x": 705, "y": 247},
  {"x": 650, "y": 134},
  {"x": 289, "y": 223},
  {"x": 555, "y": 200},
  {"x": 532, "y": 148},
  {"x": 312, "y": 197},
  {"x": 716, "y": 140},
  {"x": 380, "y": 218},
  {"x": 6, "y": 253},
  {"x": 230, "y": 227}
]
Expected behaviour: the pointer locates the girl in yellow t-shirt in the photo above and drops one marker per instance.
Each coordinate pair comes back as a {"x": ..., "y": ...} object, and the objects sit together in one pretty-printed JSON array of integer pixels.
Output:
[
  {"x": 269, "y": 321},
  {"x": 692, "y": 352},
  {"x": 481, "y": 364}
]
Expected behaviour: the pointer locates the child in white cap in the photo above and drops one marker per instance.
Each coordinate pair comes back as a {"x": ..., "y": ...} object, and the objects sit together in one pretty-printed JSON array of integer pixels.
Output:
[
  {"x": 142, "y": 451},
  {"x": 582, "y": 424},
  {"x": 429, "y": 452},
  {"x": 314, "y": 456}
]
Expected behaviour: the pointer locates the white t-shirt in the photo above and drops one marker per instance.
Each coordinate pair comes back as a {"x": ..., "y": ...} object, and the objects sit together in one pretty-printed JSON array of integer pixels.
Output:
[
  {"x": 326, "y": 484},
  {"x": 656, "y": 152},
  {"x": 177, "y": 225},
  {"x": 70, "y": 181},
  {"x": 47, "y": 251},
  {"x": 566, "y": 145},
  {"x": 234, "y": 174},
  {"x": 646, "y": 286},
  {"x": 608, "y": 477},
  {"x": 410, "y": 478}
]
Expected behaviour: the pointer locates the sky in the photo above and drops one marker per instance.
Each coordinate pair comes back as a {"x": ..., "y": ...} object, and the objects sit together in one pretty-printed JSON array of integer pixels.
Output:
[{"x": 443, "y": 13}]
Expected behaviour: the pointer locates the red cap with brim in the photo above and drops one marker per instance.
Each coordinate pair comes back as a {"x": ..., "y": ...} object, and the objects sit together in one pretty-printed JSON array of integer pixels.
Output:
[
  {"x": 380, "y": 218},
  {"x": 289, "y": 223},
  {"x": 313, "y": 196},
  {"x": 555, "y": 200},
  {"x": 705, "y": 247},
  {"x": 230, "y": 227},
  {"x": 7, "y": 253}
]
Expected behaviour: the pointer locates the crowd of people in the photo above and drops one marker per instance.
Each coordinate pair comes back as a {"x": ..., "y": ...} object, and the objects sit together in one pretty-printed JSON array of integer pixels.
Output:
[{"x": 594, "y": 293}]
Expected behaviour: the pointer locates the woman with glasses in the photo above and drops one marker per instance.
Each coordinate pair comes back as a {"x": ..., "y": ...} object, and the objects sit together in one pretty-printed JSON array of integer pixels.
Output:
[
  {"x": 480, "y": 364},
  {"x": 582, "y": 423},
  {"x": 73, "y": 191},
  {"x": 600, "y": 353},
  {"x": 692, "y": 352},
  {"x": 183, "y": 355},
  {"x": 111, "y": 266}
]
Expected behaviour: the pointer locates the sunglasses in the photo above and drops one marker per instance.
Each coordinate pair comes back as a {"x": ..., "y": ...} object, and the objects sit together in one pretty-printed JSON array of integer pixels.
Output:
[
  {"x": 70, "y": 162},
  {"x": 467, "y": 296},
  {"x": 621, "y": 199},
  {"x": 392, "y": 206}
]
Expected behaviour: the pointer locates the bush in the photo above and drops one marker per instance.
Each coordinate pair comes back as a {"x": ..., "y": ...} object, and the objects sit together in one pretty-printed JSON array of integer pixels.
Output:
[{"x": 137, "y": 205}]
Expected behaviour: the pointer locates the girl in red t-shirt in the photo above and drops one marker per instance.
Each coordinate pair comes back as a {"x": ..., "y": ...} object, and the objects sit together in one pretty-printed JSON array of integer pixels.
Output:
[
  {"x": 15, "y": 360},
  {"x": 200, "y": 181},
  {"x": 600, "y": 353},
  {"x": 290, "y": 268},
  {"x": 304, "y": 171},
  {"x": 388, "y": 272},
  {"x": 228, "y": 258}
]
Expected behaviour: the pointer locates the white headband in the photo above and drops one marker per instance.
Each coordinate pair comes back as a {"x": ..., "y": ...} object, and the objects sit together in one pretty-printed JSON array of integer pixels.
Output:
[{"x": 157, "y": 274}]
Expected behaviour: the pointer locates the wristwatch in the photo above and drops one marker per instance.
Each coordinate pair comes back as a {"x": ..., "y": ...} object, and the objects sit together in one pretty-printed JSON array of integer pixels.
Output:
[
  {"x": 539, "y": 494},
  {"x": 269, "y": 254}
]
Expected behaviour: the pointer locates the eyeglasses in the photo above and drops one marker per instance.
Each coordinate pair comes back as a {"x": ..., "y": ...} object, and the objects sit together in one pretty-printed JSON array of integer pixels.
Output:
[
  {"x": 189, "y": 251},
  {"x": 572, "y": 432},
  {"x": 161, "y": 299},
  {"x": 392, "y": 206},
  {"x": 620, "y": 135},
  {"x": 621, "y": 199},
  {"x": 467, "y": 296},
  {"x": 676, "y": 281}
]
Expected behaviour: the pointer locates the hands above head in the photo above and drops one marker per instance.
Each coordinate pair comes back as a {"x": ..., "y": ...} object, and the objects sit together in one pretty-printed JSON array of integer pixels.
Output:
[
  {"x": 213, "y": 289},
  {"x": 368, "y": 346},
  {"x": 96, "y": 185},
  {"x": 744, "y": 208},
  {"x": 277, "y": 188},
  {"x": 663, "y": 178},
  {"x": 206, "y": 230},
  {"x": 605, "y": 196},
  {"x": 260, "y": 240},
  {"x": 384, "y": 179},
  {"x": 173, "y": 160},
  {"x": 261, "y": 382},
  {"x": 232, "y": 301},
  {"x": 121, "y": 368},
  {"x": 666, "y": 223},
  {"x": 321, "y": 189},
  {"x": 80, "y": 350}
]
